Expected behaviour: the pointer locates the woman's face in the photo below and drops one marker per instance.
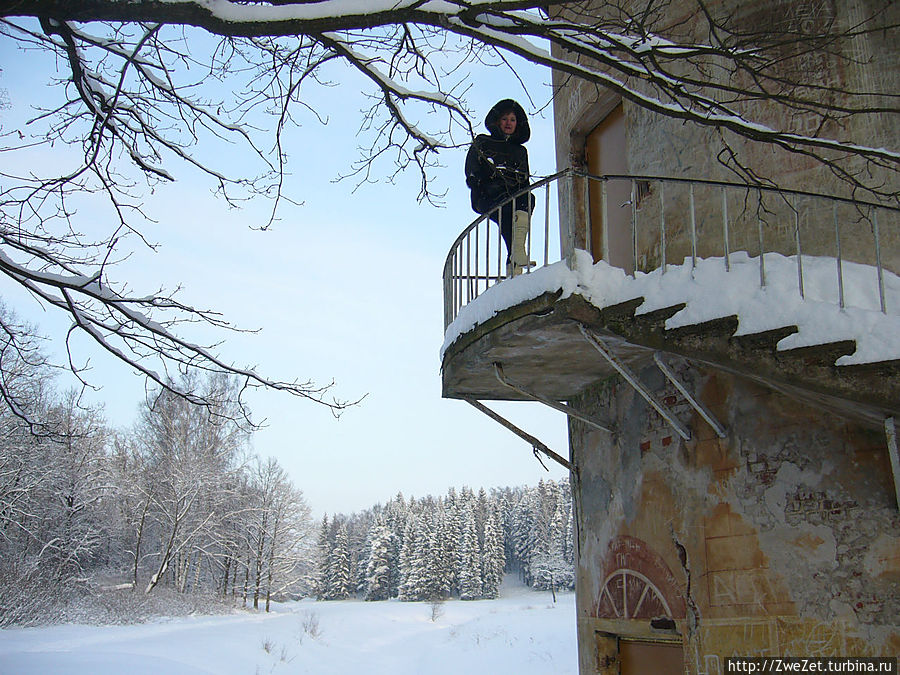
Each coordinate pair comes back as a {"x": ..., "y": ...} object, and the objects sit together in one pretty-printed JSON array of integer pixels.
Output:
[{"x": 508, "y": 123}]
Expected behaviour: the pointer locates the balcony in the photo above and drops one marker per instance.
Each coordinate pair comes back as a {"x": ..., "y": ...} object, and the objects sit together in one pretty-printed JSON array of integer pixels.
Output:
[{"x": 789, "y": 288}]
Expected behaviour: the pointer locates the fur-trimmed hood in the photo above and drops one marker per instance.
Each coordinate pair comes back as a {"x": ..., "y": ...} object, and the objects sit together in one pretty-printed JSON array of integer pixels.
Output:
[{"x": 492, "y": 121}]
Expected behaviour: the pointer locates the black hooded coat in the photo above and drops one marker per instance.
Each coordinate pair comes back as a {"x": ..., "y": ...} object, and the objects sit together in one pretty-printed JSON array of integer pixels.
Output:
[{"x": 497, "y": 165}]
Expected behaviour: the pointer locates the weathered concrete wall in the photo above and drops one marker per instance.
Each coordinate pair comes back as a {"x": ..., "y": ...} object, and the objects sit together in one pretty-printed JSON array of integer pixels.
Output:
[
  {"x": 667, "y": 147},
  {"x": 781, "y": 539}
]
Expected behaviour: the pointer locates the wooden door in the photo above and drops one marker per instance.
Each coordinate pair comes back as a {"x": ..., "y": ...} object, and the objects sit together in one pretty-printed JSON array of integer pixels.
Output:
[
  {"x": 606, "y": 154},
  {"x": 642, "y": 658}
]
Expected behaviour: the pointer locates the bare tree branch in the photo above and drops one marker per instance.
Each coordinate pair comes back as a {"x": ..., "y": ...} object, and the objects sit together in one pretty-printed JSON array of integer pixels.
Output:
[{"x": 155, "y": 89}]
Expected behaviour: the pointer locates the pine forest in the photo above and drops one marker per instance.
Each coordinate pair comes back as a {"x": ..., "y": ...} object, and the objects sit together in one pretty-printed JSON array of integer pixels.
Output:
[{"x": 459, "y": 545}]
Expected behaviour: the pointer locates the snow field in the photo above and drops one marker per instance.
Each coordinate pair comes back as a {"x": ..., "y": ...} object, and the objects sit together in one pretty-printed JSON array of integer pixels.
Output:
[{"x": 523, "y": 632}]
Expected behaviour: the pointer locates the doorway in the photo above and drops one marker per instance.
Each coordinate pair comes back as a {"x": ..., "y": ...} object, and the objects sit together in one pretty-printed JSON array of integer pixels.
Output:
[
  {"x": 605, "y": 153},
  {"x": 622, "y": 655},
  {"x": 660, "y": 658}
]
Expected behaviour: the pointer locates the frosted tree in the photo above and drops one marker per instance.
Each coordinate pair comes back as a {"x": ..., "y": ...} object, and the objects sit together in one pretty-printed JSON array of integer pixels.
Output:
[
  {"x": 434, "y": 582},
  {"x": 493, "y": 557},
  {"x": 277, "y": 530},
  {"x": 187, "y": 451},
  {"x": 324, "y": 544},
  {"x": 396, "y": 515},
  {"x": 339, "y": 579},
  {"x": 378, "y": 569},
  {"x": 469, "y": 570},
  {"x": 410, "y": 559},
  {"x": 550, "y": 568},
  {"x": 154, "y": 90},
  {"x": 421, "y": 581},
  {"x": 51, "y": 488}
]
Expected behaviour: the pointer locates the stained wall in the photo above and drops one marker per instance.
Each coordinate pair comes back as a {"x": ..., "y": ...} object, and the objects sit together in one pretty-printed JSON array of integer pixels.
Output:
[
  {"x": 781, "y": 539},
  {"x": 656, "y": 145}
]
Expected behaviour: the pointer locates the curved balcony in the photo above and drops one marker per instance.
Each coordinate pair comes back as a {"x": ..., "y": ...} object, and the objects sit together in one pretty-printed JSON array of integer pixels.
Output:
[
  {"x": 671, "y": 218},
  {"x": 647, "y": 226}
]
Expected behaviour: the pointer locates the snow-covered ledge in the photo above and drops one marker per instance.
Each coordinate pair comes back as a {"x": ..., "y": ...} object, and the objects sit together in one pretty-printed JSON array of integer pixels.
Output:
[{"x": 710, "y": 292}]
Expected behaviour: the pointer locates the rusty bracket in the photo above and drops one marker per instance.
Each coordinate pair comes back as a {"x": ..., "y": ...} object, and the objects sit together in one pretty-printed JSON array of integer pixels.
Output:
[{"x": 556, "y": 405}]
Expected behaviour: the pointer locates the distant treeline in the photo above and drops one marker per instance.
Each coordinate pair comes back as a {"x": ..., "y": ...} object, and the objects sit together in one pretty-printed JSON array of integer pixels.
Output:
[
  {"x": 105, "y": 525},
  {"x": 178, "y": 505},
  {"x": 456, "y": 546}
]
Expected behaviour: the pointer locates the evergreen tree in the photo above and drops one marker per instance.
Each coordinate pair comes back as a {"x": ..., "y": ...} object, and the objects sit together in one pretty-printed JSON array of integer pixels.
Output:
[
  {"x": 339, "y": 578},
  {"x": 324, "y": 545},
  {"x": 378, "y": 569},
  {"x": 469, "y": 558},
  {"x": 493, "y": 558},
  {"x": 409, "y": 581}
]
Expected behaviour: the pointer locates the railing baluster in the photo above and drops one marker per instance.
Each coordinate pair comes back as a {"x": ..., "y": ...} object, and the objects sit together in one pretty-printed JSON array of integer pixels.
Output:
[
  {"x": 588, "y": 230},
  {"x": 634, "y": 243},
  {"x": 759, "y": 234},
  {"x": 457, "y": 294},
  {"x": 571, "y": 208},
  {"x": 726, "y": 249},
  {"x": 477, "y": 246},
  {"x": 471, "y": 260},
  {"x": 468, "y": 267},
  {"x": 840, "y": 262},
  {"x": 878, "y": 261},
  {"x": 693, "y": 231},
  {"x": 799, "y": 249},
  {"x": 487, "y": 255},
  {"x": 528, "y": 238},
  {"x": 499, "y": 241},
  {"x": 547, "y": 225},
  {"x": 662, "y": 226},
  {"x": 604, "y": 206}
]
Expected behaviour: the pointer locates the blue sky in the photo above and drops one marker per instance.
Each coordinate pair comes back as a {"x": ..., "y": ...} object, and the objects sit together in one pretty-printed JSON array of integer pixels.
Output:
[{"x": 346, "y": 287}]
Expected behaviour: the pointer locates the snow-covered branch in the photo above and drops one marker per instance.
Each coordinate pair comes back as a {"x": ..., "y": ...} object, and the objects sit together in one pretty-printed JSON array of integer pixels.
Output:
[{"x": 156, "y": 89}]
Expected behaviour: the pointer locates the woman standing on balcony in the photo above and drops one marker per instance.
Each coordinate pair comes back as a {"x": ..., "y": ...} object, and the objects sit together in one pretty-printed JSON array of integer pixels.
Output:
[{"x": 497, "y": 169}]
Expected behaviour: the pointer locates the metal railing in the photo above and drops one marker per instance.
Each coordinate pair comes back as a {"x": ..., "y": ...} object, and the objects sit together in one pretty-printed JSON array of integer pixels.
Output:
[{"x": 674, "y": 219}]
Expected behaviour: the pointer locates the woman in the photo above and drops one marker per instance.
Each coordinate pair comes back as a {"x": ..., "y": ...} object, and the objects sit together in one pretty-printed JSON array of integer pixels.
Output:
[{"x": 497, "y": 169}]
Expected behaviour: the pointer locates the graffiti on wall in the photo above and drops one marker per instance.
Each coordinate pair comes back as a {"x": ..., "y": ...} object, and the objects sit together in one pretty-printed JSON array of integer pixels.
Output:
[{"x": 638, "y": 584}]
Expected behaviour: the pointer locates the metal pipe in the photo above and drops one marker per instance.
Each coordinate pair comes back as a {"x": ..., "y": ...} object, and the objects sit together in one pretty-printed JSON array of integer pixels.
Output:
[
  {"x": 759, "y": 234},
  {"x": 890, "y": 431},
  {"x": 693, "y": 231},
  {"x": 725, "y": 229},
  {"x": 878, "y": 261},
  {"x": 556, "y": 405},
  {"x": 662, "y": 226},
  {"x": 477, "y": 246},
  {"x": 487, "y": 255},
  {"x": 500, "y": 270},
  {"x": 536, "y": 445},
  {"x": 586, "y": 211},
  {"x": 634, "y": 244},
  {"x": 570, "y": 211},
  {"x": 457, "y": 290},
  {"x": 604, "y": 205},
  {"x": 799, "y": 249},
  {"x": 840, "y": 264},
  {"x": 697, "y": 405},
  {"x": 630, "y": 377},
  {"x": 527, "y": 238},
  {"x": 722, "y": 183},
  {"x": 547, "y": 225},
  {"x": 447, "y": 295},
  {"x": 468, "y": 268}
]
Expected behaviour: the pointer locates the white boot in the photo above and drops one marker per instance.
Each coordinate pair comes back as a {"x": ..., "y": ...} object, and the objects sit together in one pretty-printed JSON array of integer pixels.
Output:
[{"x": 520, "y": 229}]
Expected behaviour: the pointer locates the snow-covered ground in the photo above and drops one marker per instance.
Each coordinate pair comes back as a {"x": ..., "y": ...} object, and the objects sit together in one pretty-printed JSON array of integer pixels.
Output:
[{"x": 523, "y": 633}]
